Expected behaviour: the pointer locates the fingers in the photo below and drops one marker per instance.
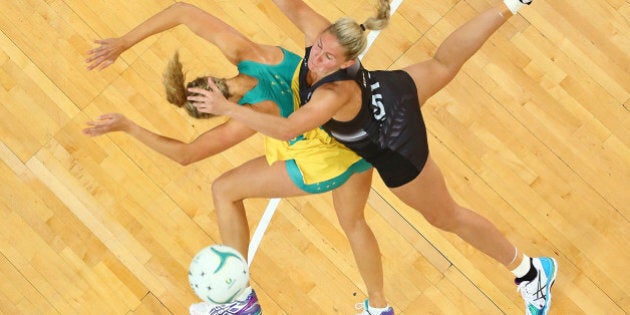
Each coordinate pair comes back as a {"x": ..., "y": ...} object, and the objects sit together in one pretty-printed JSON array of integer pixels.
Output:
[
  {"x": 93, "y": 55},
  {"x": 103, "y": 55},
  {"x": 196, "y": 99},
  {"x": 92, "y": 65},
  {"x": 92, "y": 130},
  {"x": 200, "y": 97},
  {"x": 105, "y": 64},
  {"x": 99, "y": 51},
  {"x": 101, "y": 63},
  {"x": 212, "y": 85},
  {"x": 93, "y": 61},
  {"x": 201, "y": 91},
  {"x": 101, "y": 125}
]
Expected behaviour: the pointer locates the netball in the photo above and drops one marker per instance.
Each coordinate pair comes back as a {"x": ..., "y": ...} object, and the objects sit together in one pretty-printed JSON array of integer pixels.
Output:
[{"x": 218, "y": 274}]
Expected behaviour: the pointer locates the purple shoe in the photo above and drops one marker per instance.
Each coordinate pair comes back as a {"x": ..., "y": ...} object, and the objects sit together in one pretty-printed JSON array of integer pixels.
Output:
[
  {"x": 246, "y": 306},
  {"x": 368, "y": 310}
]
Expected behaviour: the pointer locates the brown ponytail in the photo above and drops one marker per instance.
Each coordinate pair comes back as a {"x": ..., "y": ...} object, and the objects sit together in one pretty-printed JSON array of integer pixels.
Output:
[{"x": 173, "y": 80}]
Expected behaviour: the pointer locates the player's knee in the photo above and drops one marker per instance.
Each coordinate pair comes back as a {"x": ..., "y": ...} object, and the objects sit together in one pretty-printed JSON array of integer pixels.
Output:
[
  {"x": 221, "y": 190},
  {"x": 444, "y": 220},
  {"x": 352, "y": 225}
]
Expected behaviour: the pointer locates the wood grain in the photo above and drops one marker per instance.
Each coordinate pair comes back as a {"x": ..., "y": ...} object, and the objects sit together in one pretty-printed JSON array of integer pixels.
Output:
[{"x": 534, "y": 134}]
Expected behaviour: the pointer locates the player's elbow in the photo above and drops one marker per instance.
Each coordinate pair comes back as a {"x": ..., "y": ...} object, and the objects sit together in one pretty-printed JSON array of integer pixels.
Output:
[
  {"x": 183, "y": 9},
  {"x": 185, "y": 158},
  {"x": 184, "y": 161},
  {"x": 182, "y": 6},
  {"x": 287, "y": 134}
]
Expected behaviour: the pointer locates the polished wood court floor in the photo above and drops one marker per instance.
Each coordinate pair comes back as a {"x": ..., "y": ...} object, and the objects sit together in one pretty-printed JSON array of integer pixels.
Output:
[{"x": 534, "y": 133}]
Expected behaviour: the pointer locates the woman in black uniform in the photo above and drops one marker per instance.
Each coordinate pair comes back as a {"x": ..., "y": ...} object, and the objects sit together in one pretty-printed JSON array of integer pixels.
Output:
[{"x": 377, "y": 114}]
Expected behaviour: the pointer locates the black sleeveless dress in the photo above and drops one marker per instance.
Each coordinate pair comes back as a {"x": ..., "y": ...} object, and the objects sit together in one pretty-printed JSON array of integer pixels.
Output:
[{"x": 389, "y": 130}]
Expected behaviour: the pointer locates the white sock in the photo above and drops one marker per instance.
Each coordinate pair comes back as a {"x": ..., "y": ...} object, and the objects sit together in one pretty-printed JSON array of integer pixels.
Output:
[
  {"x": 513, "y": 5},
  {"x": 371, "y": 309},
  {"x": 522, "y": 269},
  {"x": 244, "y": 294},
  {"x": 374, "y": 310}
]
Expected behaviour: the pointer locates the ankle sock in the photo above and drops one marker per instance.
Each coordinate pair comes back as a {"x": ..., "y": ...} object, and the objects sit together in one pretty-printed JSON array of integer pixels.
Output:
[
  {"x": 523, "y": 268},
  {"x": 374, "y": 310},
  {"x": 529, "y": 275},
  {"x": 244, "y": 294}
]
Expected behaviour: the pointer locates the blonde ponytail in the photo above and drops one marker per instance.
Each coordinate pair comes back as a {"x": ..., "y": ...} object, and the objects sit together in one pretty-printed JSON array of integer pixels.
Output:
[
  {"x": 350, "y": 34},
  {"x": 381, "y": 20}
]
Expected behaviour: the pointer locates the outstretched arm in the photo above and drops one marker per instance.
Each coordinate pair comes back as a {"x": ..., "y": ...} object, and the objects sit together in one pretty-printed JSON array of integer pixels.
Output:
[
  {"x": 306, "y": 19},
  {"x": 209, "y": 143},
  {"x": 227, "y": 39},
  {"x": 322, "y": 106}
]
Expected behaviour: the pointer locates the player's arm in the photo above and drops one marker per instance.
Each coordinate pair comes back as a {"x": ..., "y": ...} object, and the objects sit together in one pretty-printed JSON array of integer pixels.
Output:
[
  {"x": 327, "y": 101},
  {"x": 211, "y": 142},
  {"x": 207, "y": 144},
  {"x": 205, "y": 25},
  {"x": 304, "y": 17}
]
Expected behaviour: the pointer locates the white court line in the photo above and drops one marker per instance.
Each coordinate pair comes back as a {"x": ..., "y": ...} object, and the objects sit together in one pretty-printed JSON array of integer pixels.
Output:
[
  {"x": 260, "y": 229},
  {"x": 273, "y": 203}
]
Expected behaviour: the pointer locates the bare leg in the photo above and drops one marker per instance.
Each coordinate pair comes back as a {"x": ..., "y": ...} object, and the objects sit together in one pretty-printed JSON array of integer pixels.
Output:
[
  {"x": 349, "y": 201},
  {"x": 432, "y": 75},
  {"x": 428, "y": 194},
  {"x": 253, "y": 179}
]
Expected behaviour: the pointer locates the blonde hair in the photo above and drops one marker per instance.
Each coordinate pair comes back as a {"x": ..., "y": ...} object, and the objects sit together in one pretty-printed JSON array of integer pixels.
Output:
[
  {"x": 173, "y": 80},
  {"x": 350, "y": 34}
]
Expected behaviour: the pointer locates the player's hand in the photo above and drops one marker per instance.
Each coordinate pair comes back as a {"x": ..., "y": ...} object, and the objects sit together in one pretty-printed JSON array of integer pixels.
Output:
[
  {"x": 104, "y": 55},
  {"x": 209, "y": 101},
  {"x": 107, "y": 123}
]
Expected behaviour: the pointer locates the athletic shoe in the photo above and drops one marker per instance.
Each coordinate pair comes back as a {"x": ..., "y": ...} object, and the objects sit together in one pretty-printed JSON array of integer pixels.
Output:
[
  {"x": 537, "y": 293},
  {"x": 247, "y": 306},
  {"x": 367, "y": 310}
]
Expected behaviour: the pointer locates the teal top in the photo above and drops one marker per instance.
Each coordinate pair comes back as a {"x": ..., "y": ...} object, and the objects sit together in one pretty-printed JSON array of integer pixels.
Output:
[
  {"x": 314, "y": 161},
  {"x": 274, "y": 82}
]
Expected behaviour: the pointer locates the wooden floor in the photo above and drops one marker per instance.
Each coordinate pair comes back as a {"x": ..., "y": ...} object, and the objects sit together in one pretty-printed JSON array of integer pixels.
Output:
[{"x": 534, "y": 133}]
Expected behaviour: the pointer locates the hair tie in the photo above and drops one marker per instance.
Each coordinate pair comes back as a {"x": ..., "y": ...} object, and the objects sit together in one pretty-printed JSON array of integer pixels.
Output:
[{"x": 362, "y": 27}]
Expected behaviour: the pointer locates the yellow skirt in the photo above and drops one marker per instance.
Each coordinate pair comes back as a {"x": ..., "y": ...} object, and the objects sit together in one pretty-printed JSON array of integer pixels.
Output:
[{"x": 319, "y": 157}]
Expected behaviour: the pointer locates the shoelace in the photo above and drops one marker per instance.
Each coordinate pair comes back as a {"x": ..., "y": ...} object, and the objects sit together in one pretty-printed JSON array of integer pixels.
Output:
[
  {"x": 362, "y": 307},
  {"x": 532, "y": 292},
  {"x": 359, "y": 307}
]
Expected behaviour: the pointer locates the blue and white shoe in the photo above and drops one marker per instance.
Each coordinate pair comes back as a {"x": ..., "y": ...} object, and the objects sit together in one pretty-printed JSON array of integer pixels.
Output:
[
  {"x": 537, "y": 293},
  {"x": 245, "y": 306},
  {"x": 368, "y": 310}
]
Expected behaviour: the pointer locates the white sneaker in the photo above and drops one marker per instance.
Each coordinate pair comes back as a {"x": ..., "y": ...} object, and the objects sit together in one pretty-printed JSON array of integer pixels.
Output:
[
  {"x": 537, "y": 293},
  {"x": 368, "y": 310},
  {"x": 245, "y": 306}
]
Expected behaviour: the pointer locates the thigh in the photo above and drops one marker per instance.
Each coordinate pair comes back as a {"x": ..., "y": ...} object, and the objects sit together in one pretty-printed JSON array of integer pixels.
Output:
[
  {"x": 430, "y": 76},
  {"x": 257, "y": 179},
  {"x": 350, "y": 198},
  {"x": 428, "y": 193}
]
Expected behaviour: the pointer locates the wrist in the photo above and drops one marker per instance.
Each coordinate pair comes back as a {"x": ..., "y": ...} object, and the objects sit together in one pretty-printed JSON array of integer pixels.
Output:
[
  {"x": 230, "y": 109},
  {"x": 129, "y": 126},
  {"x": 125, "y": 42}
]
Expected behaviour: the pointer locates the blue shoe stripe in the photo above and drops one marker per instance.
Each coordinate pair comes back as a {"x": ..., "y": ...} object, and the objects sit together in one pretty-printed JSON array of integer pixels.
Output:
[{"x": 550, "y": 267}]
